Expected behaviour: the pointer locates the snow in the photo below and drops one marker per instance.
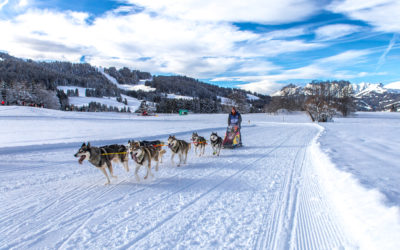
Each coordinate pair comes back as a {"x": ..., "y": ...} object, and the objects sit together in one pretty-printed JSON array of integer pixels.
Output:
[
  {"x": 133, "y": 103},
  {"x": 287, "y": 91},
  {"x": 174, "y": 96},
  {"x": 366, "y": 88},
  {"x": 369, "y": 148},
  {"x": 252, "y": 97},
  {"x": 82, "y": 100},
  {"x": 226, "y": 101},
  {"x": 140, "y": 86},
  {"x": 285, "y": 189}
]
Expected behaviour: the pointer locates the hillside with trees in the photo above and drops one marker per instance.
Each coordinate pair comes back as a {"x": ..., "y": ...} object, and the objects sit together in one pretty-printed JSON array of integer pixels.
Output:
[{"x": 27, "y": 82}]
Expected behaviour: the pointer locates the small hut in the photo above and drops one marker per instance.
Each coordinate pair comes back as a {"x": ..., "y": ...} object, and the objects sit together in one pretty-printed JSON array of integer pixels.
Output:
[{"x": 183, "y": 112}]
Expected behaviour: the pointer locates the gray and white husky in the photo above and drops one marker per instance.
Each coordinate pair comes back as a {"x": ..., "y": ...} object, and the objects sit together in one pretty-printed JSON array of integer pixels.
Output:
[
  {"x": 102, "y": 157},
  {"x": 156, "y": 144},
  {"x": 143, "y": 155},
  {"x": 216, "y": 143},
  {"x": 199, "y": 142},
  {"x": 179, "y": 147}
]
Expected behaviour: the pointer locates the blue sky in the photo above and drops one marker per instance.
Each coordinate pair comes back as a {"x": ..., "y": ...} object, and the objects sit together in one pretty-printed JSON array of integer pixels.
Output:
[{"x": 258, "y": 45}]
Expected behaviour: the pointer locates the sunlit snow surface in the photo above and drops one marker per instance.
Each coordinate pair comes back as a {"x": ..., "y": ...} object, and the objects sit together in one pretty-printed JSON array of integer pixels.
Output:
[{"x": 294, "y": 184}]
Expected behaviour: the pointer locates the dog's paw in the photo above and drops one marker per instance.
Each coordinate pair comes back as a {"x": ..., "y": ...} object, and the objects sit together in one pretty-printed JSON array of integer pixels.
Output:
[{"x": 114, "y": 176}]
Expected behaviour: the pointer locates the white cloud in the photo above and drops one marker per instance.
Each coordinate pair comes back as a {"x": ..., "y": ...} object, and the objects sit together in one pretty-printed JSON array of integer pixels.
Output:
[
  {"x": 323, "y": 68},
  {"x": 382, "y": 14},
  {"x": 256, "y": 66},
  {"x": 382, "y": 58},
  {"x": 169, "y": 45},
  {"x": 350, "y": 57},
  {"x": 258, "y": 11},
  {"x": 334, "y": 31},
  {"x": 22, "y": 3},
  {"x": 265, "y": 87},
  {"x": 393, "y": 85},
  {"x": 3, "y": 3}
]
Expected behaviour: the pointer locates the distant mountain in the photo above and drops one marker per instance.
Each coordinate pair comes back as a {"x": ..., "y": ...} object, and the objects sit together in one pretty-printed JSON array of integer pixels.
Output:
[
  {"x": 289, "y": 90},
  {"x": 368, "y": 96}
]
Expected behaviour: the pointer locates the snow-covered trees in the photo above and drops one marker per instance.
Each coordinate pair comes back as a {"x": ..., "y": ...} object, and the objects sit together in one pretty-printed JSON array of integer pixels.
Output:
[
  {"x": 321, "y": 99},
  {"x": 324, "y": 99}
]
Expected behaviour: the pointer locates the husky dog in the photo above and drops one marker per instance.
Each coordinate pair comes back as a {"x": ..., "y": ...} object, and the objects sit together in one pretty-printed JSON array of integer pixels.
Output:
[
  {"x": 154, "y": 148},
  {"x": 199, "y": 142},
  {"x": 216, "y": 143},
  {"x": 179, "y": 147},
  {"x": 102, "y": 157},
  {"x": 157, "y": 144},
  {"x": 142, "y": 157}
]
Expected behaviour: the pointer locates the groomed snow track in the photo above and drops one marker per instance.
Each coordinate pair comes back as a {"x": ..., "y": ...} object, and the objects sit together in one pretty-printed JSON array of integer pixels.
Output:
[{"x": 262, "y": 196}]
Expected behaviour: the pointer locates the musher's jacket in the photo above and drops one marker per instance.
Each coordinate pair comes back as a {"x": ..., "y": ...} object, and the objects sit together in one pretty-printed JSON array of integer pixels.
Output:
[{"x": 235, "y": 119}]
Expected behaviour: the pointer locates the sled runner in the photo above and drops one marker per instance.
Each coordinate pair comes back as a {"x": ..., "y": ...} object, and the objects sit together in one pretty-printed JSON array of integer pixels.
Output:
[{"x": 232, "y": 137}]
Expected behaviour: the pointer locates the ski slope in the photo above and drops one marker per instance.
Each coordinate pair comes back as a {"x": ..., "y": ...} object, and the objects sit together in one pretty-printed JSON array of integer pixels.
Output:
[{"x": 269, "y": 194}]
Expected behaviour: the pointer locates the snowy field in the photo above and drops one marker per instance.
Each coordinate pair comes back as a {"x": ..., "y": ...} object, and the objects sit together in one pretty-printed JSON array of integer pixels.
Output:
[{"x": 294, "y": 185}]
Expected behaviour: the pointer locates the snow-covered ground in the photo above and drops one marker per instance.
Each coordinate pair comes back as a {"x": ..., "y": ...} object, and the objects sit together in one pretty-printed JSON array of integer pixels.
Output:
[
  {"x": 280, "y": 191},
  {"x": 368, "y": 146},
  {"x": 174, "y": 96},
  {"x": 82, "y": 100}
]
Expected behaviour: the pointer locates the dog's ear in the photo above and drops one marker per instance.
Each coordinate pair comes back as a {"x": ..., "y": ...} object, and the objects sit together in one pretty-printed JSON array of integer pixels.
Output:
[
  {"x": 83, "y": 145},
  {"x": 88, "y": 144}
]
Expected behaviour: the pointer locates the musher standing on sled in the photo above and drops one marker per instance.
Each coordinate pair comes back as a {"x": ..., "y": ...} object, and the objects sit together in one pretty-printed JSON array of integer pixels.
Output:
[{"x": 235, "y": 120}]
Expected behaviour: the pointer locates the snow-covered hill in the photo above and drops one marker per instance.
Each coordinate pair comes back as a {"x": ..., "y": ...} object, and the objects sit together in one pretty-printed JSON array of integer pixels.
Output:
[
  {"x": 82, "y": 100},
  {"x": 135, "y": 87}
]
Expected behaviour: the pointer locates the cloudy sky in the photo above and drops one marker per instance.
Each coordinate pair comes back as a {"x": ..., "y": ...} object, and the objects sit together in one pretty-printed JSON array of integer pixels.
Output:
[{"x": 259, "y": 45}]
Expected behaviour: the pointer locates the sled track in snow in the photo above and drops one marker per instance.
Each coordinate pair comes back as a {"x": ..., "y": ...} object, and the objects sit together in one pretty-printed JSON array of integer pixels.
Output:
[
  {"x": 192, "y": 202},
  {"x": 166, "y": 195},
  {"x": 270, "y": 199}
]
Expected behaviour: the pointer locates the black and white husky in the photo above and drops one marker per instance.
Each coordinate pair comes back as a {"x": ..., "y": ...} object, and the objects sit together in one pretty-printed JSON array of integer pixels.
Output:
[
  {"x": 216, "y": 143},
  {"x": 179, "y": 147},
  {"x": 102, "y": 157},
  {"x": 199, "y": 142}
]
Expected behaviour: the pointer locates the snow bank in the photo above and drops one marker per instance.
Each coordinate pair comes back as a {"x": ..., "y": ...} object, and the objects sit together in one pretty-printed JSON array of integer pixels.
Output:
[
  {"x": 367, "y": 146},
  {"x": 364, "y": 215}
]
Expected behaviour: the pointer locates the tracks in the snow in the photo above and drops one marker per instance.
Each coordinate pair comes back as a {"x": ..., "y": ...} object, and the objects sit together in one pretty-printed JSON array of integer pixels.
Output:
[{"x": 261, "y": 196}]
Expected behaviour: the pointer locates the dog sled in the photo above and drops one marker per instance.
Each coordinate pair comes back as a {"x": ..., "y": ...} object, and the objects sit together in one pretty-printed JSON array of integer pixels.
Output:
[{"x": 232, "y": 137}]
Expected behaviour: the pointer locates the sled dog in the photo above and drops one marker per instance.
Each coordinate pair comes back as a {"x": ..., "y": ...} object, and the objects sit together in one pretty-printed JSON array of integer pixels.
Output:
[
  {"x": 199, "y": 142},
  {"x": 157, "y": 145},
  {"x": 102, "y": 157},
  {"x": 142, "y": 157},
  {"x": 154, "y": 148},
  {"x": 216, "y": 143},
  {"x": 179, "y": 147}
]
